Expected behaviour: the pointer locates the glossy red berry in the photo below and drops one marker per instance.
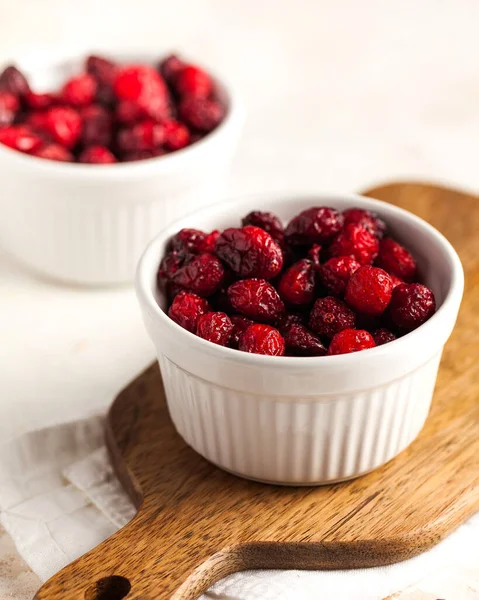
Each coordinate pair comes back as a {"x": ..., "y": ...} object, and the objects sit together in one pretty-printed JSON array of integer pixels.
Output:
[
  {"x": 53, "y": 152},
  {"x": 215, "y": 327},
  {"x": 64, "y": 124},
  {"x": 369, "y": 291},
  {"x": 330, "y": 315},
  {"x": 317, "y": 225},
  {"x": 411, "y": 305},
  {"x": 20, "y": 137},
  {"x": 297, "y": 284},
  {"x": 366, "y": 219},
  {"x": 201, "y": 113},
  {"x": 250, "y": 252},
  {"x": 383, "y": 336},
  {"x": 146, "y": 135},
  {"x": 186, "y": 309},
  {"x": 267, "y": 221},
  {"x": 177, "y": 135},
  {"x": 97, "y": 155},
  {"x": 13, "y": 81},
  {"x": 395, "y": 259},
  {"x": 262, "y": 339},
  {"x": 9, "y": 107},
  {"x": 96, "y": 126},
  {"x": 357, "y": 242},
  {"x": 335, "y": 273},
  {"x": 40, "y": 101},
  {"x": 170, "y": 67},
  {"x": 193, "y": 81},
  {"x": 351, "y": 340},
  {"x": 193, "y": 241},
  {"x": 240, "y": 325},
  {"x": 302, "y": 342},
  {"x": 256, "y": 299},
  {"x": 79, "y": 91},
  {"x": 202, "y": 274},
  {"x": 143, "y": 85}
]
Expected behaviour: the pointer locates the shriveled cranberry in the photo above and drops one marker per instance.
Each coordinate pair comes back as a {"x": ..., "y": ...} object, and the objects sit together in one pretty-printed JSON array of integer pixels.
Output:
[
  {"x": 287, "y": 320},
  {"x": 357, "y": 242},
  {"x": 256, "y": 299},
  {"x": 314, "y": 225},
  {"x": 302, "y": 342},
  {"x": 97, "y": 126},
  {"x": 314, "y": 254},
  {"x": 193, "y": 81},
  {"x": 9, "y": 107},
  {"x": 215, "y": 327},
  {"x": 177, "y": 135},
  {"x": 13, "y": 81},
  {"x": 40, "y": 101},
  {"x": 79, "y": 91},
  {"x": 171, "y": 290},
  {"x": 186, "y": 309},
  {"x": 267, "y": 221},
  {"x": 383, "y": 336},
  {"x": 369, "y": 290},
  {"x": 144, "y": 86},
  {"x": 53, "y": 152},
  {"x": 129, "y": 113},
  {"x": 250, "y": 252},
  {"x": 330, "y": 315},
  {"x": 97, "y": 155},
  {"x": 64, "y": 124},
  {"x": 202, "y": 274},
  {"x": 411, "y": 305},
  {"x": 262, "y": 339},
  {"x": 395, "y": 259},
  {"x": 351, "y": 340},
  {"x": 194, "y": 241},
  {"x": 170, "y": 68},
  {"x": 334, "y": 274},
  {"x": 366, "y": 219},
  {"x": 102, "y": 69},
  {"x": 240, "y": 325},
  {"x": 147, "y": 135},
  {"x": 201, "y": 113},
  {"x": 297, "y": 284},
  {"x": 20, "y": 137},
  {"x": 170, "y": 263}
]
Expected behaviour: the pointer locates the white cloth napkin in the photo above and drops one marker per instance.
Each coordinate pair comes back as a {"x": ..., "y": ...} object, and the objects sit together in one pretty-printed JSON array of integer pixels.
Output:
[{"x": 59, "y": 498}]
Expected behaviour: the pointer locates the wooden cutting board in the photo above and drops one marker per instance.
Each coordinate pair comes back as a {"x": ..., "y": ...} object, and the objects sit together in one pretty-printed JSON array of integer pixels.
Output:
[{"x": 196, "y": 524}]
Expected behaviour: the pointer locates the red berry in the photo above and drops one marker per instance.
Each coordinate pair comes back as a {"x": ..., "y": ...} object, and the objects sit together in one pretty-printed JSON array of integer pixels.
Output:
[
  {"x": 54, "y": 152},
  {"x": 366, "y": 219},
  {"x": 13, "y": 81},
  {"x": 201, "y": 113},
  {"x": 357, "y": 242},
  {"x": 286, "y": 321},
  {"x": 170, "y": 68},
  {"x": 301, "y": 342},
  {"x": 186, "y": 309},
  {"x": 64, "y": 124},
  {"x": 240, "y": 325},
  {"x": 141, "y": 154},
  {"x": 351, "y": 340},
  {"x": 79, "y": 91},
  {"x": 170, "y": 264},
  {"x": 97, "y": 126},
  {"x": 383, "y": 336},
  {"x": 256, "y": 299},
  {"x": 9, "y": 107},
  {"x": 250, "y": 252},
  {"x": 396, "y": 281},
  {"x": 202, "y": 274},
  {"x": 39, "y": 101},
  {"x": 97, "y": 155},
  {"x": 37, "y": 120},
  {"x": 267, "y": 221},
  {"x": 215, "y": 327},
  {"x": 330, "y": 315},
  {"x": 314, "y": 225},
  {"x": 102, "y": 69},
  {"x": 129, "y": 113},
  {"x": 369, "y": 291},
  {"x": 314, "y": 253},
  {"x": 297, "y": 284},
  {"x": 411, "y": 305},
  {"x": 177, "y": 135},
  {"x": 334, "y": 274},
  {"x": 20, "y": 137},
  {"x": 194, "y": 241},
  {"x": 144, "y": 86},
  {"x": 395, "y": 259},
  {"x": 262, "y": 339},
  {"x": 172, "y": 290},
  {"x": 192, "y": 81},
  {"x": 147, "y": 135}
]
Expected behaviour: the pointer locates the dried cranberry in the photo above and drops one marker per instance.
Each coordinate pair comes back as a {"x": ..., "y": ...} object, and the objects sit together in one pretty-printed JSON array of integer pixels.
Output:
[
  {"x": 171, "y": 290},
  {"x": 395, "y": 280},
  {"x": 79, "y": 91},
  {"x": 297, "y": 284},
  {"x": 20, "y": 137},
  {"x": 314, "y": 225},
  {"x": 240, "y": 325},
  {"x": 369, "y": 290},
  {"x": 330, "y": 315},
  {"x": 201, "y": 113},
  {"x": 314, "y": 253},
  {"x": 383, "y": 336},
  {"x": 202, "y": 274},
  {"x": 9, "y": 107},
  {"x": 129, "y": 113},
  {"x": 147, "y": 135},
  {"x": 250, "y": 252},
  {"x": 366, "y": 219},
  {"x": 301, "y": 342},
  {"x": 64, "y": 124},
  {"x": 395, "y": 259},
  {"x": 170, "y": 264},
  {"x": 177, "y": 135},
  {"x": 97, "y": 155},
  {"x": 411, "y": 305},
  {"x": 334, "y": 274},
  {"x": 13, "y": 81},
  {"x": 215, "y": 327},
  {"x": 351, "y": 340},
  {"x": 186, "y": 309},
  {"x": 267, "y": 221},
  {"x": 170, "y": 68},
  {"x": 144, "y": 86},
  {"x": 194, "y": 241},
  {"x": 53, "y": 152},
  {"x": 102, "y": 69},
  {"x": 357, "y": 242},
  {"x": 286, "y": 321},
  {"x": 193, "y": 81},
  {"x": 40, "y": 101},
  {"x": 97, "y": 126},
  {"x": 262, "y": 339},
  {"x": 256, "y": 299}
]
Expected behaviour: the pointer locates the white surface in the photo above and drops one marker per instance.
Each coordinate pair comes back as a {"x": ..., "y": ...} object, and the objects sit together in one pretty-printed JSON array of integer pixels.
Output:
[
  {"x": 303, "y": 420},
  {"x": 339, "y": 94}
]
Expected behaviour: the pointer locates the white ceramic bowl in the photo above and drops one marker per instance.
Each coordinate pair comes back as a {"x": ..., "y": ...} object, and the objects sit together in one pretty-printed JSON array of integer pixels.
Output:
[
  {"x": 89, "y": 224},
  {"x": 303, "y": 420}
]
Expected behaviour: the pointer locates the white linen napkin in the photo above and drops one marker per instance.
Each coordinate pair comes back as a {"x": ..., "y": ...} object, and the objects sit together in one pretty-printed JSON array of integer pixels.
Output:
[{"x": 59, "y": 498}]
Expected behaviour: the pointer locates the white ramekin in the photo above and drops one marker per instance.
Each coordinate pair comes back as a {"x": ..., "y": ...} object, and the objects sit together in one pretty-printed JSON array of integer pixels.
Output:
[
  {"x": 89, "y": 224},
  {"x": 303, "y": 420}
]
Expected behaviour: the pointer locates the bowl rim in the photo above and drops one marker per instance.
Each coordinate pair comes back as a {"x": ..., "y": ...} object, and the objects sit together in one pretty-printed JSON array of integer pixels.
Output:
[
  {"x": 158, "y": 165},
  {"x": 145, "y": 293}
]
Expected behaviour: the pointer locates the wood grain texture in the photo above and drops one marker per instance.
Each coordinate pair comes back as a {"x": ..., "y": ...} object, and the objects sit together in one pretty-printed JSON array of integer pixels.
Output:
[{"x": 196, "y": 523}]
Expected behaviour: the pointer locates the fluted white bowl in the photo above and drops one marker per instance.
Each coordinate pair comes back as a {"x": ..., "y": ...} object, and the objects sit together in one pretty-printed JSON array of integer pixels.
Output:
[
  {"x": 294, "y": 420},
  {"x": 88, "y": 224}
]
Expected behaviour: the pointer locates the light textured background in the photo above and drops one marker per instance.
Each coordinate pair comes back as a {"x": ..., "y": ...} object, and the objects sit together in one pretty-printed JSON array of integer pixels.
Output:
[{"x": 340, "y": 95}]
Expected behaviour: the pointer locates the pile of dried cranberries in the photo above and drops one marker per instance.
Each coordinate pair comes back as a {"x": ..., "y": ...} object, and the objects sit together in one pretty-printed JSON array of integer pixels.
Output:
[
  {"x": 110, "y": 112},
  {"x": 329, "y": 283}
]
